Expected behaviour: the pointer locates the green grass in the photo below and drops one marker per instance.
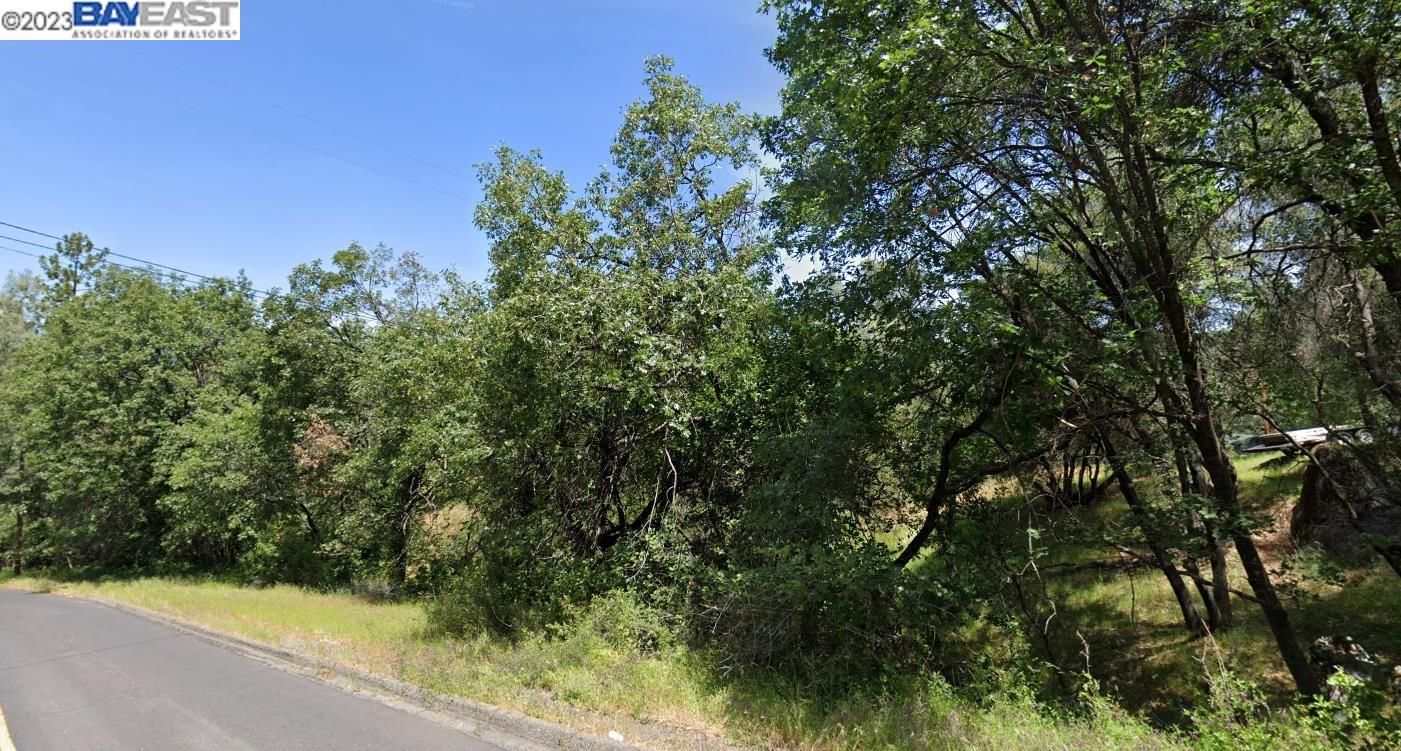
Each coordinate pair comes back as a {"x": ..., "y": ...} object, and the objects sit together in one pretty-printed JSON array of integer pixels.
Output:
[
  {"x": 1139, "y": 649},
  {"x": 578, "y": 677},
  {"x": 533, "y": 675},
  {"x": 1269, "y": 477}
]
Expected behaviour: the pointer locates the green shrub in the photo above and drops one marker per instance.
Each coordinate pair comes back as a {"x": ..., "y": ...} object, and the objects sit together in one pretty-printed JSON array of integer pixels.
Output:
[
  {"x": 1238, "y": 718},
  {"x": 618, "y": 620},
  {"x": 841, "y": 610}
]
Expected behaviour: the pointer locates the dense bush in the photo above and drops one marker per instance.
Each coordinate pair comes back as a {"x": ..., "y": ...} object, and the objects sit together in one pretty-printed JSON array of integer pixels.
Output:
[{"x": 1040, "y": 240}]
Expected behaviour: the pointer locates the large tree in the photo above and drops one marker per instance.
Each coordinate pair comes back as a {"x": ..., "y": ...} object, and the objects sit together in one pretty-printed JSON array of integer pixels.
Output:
[
  {"x": 1039, "y": 142},
  {"x": 616, "y": 385},
  {"x": 120, "y": 366}
]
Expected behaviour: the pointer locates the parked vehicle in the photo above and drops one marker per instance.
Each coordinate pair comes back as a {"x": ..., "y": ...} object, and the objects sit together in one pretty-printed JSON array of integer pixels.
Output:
[{"x": 1292, "y": 440}]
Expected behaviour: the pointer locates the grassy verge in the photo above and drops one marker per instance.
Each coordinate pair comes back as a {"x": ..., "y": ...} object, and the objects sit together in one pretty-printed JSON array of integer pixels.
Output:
[
  {"x": 1139, "y": 649},
  {"x": 389, "y": 638},
  {"x": 580, "y": 678}
]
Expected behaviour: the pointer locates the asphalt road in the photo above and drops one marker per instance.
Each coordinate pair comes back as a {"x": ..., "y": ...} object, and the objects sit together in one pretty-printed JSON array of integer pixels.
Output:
[{"x": 78, "y": 675}]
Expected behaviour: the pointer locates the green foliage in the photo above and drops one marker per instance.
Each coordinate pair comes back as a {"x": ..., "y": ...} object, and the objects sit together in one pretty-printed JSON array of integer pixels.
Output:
[
  {"x": 217, "y": 474},
  {"x": 617, "y": 374},
  {"x": 74, "y": 264},
  {"x": 116, "y": 369},
  {"x": 1238, "y": 717},
  {"x": 1051, "y": 236}
]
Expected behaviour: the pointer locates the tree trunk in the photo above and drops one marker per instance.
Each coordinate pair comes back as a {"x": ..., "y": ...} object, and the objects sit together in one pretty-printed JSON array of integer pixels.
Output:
[
  {"x": 409, "y": 496},
  {"x": 1220, "y": 578},
  {"x": 1223, "y": 476},
  {"x": 1190, "y": 616},
  {"x": 1215, "y": 596},
  {"x": 19, "y": 542},
  {"x": 1213, "y": 613},
  {"x": 1202, "y": 485},
  {"x": 1202, "y": 428},
  {"x": 1371, "y": 359}
]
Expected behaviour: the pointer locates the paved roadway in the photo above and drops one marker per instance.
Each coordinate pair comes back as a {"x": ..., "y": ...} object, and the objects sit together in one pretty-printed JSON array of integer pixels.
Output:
[{"x": 78, "y": 675}]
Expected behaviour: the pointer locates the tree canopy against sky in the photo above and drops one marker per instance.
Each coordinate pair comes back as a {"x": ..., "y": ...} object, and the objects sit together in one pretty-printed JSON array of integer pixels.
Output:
[{"x": 1065, "y": 253}]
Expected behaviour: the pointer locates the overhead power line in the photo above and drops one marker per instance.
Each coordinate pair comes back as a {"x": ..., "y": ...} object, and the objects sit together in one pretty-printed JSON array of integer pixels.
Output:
[
  {"x": 21, "y": 252},
  {"x": 146, "y": 265},
  {"x": 110, "y": 263},
  {"x": 26, "y": 242},
  {"x": 142, "y": 261},
  {"x": 30, "y": 231},
  {"x": 183, "y": 275}
]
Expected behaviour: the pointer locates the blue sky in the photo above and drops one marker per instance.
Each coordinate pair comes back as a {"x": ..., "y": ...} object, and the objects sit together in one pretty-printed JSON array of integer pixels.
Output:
[{"x": 108, "y": 138}]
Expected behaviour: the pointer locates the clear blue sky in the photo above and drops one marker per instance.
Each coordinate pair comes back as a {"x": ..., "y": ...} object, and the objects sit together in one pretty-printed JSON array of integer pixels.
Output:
[{"x": 153, "y": 162}]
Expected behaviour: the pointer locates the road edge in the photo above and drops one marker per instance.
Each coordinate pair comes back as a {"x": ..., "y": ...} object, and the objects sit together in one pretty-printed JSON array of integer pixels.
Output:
[
  {"x": 6, "y": 742},
  {"x": 507, "y": 728}
]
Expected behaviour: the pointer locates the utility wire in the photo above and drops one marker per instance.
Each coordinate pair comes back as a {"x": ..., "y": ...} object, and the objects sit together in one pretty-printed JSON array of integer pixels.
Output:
[
  {"x": 143, "y": 269},
  {"x": 28, "y": 230},
  {"x": 26, "y": 242},
  {"x": 143, "y": 261},
  {"x": 294, "y": 113},
  {"x": 110, "y": 263},
  {"x": 21, "y": 252},
  {"x": 183, "y": 275},
  {"x": 183, "y": 272}
]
